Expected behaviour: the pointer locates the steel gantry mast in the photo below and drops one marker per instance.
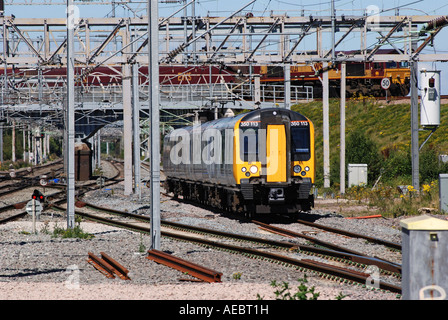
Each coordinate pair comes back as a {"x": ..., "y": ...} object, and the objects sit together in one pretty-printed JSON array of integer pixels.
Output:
[
  {"x": 70, "y": 117},
  {"x": 153, "y": 95}
]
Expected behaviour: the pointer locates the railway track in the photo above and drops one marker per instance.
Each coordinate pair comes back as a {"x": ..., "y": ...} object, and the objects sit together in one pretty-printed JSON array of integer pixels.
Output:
[
  {"x": 259, "y": 248},
  {"x": 356, "y": 257},
  {"x": 389, "y": 244},
  {"x": 15, "y": 211},
  {"x": 254, "y": 247}
]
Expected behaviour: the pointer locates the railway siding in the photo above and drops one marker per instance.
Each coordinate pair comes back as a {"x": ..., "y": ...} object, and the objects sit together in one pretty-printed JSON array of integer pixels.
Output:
[{"x": 41, "y": 258}]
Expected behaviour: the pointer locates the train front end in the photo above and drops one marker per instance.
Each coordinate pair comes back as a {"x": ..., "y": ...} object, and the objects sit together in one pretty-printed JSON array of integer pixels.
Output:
[{"x": 274, "y": 162}]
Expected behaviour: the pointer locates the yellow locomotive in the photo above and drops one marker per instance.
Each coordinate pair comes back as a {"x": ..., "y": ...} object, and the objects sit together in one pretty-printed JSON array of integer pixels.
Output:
[
  {"x": 363, "y": 78},
  {"x": 257, "y": 162}
]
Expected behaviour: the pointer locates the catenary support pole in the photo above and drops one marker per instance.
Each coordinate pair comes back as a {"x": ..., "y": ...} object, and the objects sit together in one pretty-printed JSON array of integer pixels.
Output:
[
  {"x": 98, "y": 149},
  {"x": 414, "y": 126},
  {"x": 127, "y": 129},
  {"x": 287, "y": 94},
  {"x": 342, "y": 138},
  {"x": 70, "y": 116},
  {"x": 136, "y": 130},
  {"x": 153, "y": 69},
  {"x": 326, "y": 126}
]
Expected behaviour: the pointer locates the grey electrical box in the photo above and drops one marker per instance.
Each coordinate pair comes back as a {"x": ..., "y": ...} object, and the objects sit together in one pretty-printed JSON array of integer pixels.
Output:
[
  {"x": 432, "y": 94},
  {"x": 443, "y": 192},
  {"x": 424, "y": 250},
  {"x": 357, "y": 174}
]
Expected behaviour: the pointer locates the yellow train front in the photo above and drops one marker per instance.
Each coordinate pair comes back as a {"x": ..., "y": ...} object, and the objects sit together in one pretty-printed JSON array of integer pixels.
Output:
[{"x": 257, "y": 162}]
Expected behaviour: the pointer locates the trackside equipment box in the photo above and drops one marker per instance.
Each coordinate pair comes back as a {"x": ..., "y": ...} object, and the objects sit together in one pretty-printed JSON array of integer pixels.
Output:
[
  {"x": 424, "y": 265},
  {"x": 443, "y": 192},
  {"x": 357, "y": 174}
]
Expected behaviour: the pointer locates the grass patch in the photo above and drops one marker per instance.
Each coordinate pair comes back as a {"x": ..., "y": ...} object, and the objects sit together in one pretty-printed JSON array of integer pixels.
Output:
[
  {"x": 75, "y": 232},
  {"x": 399, "y": 201}
]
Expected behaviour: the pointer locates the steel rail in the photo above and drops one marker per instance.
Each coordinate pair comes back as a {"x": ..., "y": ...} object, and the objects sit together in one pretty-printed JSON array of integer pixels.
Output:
[
  {"x": 14, "y": 217},
  {"x": 393, "y": 245},
  {"x": 101, "y": 265},
  {"x": 386, "y": 243},
  {"x": 353, "y": 277},
  {"x": 20, "y": 205},
  {"x": 290, "y": 233},
  {"x": 275, "y": 243},
  {"x": 341, "y": 252},
  {"x": 195, "y": 270},
  {"x": 335, "y": 251},
  {"x": 108, "y": 266},
  {"x": 118, "y": 269}
]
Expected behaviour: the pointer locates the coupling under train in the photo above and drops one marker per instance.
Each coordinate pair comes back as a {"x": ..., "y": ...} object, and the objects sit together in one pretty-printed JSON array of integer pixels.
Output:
[{"x": 254, "y": 163}]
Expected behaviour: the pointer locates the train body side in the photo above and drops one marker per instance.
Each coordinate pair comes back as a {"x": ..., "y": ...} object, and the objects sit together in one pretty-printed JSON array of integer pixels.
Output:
[{"x": 259, "y": 162}]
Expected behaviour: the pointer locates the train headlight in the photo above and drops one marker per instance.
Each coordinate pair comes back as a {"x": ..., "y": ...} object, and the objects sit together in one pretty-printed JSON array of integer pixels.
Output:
[
  {"x": 243, "y": 169},
  {"x": 253, "y": 169},
  {"x": 307, "y": 168},
  {"x": 297, "y": 169}
]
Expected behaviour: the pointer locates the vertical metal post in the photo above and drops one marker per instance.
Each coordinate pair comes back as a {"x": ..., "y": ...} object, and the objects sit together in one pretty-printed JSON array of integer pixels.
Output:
[
  {"x": 70, "y": 116},
  {"x": 153, "y": 69},
  {"x": 98, "y": 149},
  {"x": 39, "y": 141},
  {"x": 185, "y": 28},
  {"x": 287, "y": 94},
  {"x": 127, "y": 117},
  {"x": 414, "y": 126},
  {"x": 326, "y": 126},
  {"x": 333, "y": 31},
  {"x": 193, "y": 30},
  {"x": 33, "y": 211},
  {"x": 24, "y": 144},
  {"x": 13, "y": 142},
  {"x": 127, "y": 128},
  {"x": 30, "y": 147},
  {"x": 5, "y": 84},
  {"x": 1, "y": 142},
  {"x": 342, "y": 138},
  {"x": 210, "y": 85},
  {"x": 136, "y": 129},
  {"x": 257, "y": 91}
]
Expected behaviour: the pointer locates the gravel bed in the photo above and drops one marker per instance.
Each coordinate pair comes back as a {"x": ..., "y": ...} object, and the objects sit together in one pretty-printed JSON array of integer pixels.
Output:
[{"x": 39, "y": 266}]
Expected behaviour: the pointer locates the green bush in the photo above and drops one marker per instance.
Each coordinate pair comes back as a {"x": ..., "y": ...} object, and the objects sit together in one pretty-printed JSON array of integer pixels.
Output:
[
  {"x": 360, "y": 148},
  {"x": 398, "y": 166},
  {"x": 75, "y": 232}
]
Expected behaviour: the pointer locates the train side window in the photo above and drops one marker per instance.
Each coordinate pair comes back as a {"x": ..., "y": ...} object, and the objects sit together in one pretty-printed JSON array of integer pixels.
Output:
[
  {"x": 249, "y": 145},
  {"x": 300, "y": 143}
]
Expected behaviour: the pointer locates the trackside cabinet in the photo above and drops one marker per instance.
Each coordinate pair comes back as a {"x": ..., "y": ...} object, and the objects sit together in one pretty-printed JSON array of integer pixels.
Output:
[
  {"x": 425, "y": 254},
  {"x": 357, "y": 174},
  {"x": 443, "y": 192}
]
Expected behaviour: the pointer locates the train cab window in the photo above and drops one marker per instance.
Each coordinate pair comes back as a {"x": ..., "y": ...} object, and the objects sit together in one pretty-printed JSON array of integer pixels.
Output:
[
  {"x": 300, "y": 143},
  {"x": 391, "y": 65},
  {"x": 249, "y": 145}
]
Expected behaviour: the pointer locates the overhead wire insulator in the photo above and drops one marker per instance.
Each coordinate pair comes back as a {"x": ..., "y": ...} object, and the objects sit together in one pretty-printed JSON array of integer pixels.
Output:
[{"x": 435, "y": 24}]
